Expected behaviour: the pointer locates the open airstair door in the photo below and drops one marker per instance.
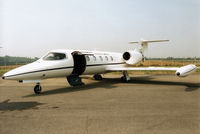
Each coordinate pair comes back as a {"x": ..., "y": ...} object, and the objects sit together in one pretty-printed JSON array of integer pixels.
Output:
[{"x": 79, "y": 63}]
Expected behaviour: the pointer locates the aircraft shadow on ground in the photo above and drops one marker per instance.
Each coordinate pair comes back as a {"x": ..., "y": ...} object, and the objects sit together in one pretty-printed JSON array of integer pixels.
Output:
[
  {"x": 11, "y": 106},
  {"x": 189, "y": 86},
  {"x": 106, "y": 83},
  {"x": 109, "y": 83}
]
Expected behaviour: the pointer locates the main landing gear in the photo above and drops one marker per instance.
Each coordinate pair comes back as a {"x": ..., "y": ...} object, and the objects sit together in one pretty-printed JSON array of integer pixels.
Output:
[
  {"x": 125, "y": 77},
  {"x": 37, "y": 88},
  {"x": 74, "y": 80},
  {"x": 97, "y": 77}
]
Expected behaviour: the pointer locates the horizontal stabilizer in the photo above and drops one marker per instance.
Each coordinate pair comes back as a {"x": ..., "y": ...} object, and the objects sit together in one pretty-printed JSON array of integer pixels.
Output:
[
  {"x": 147, "y": 41},
  {"x": 144, "y": 44}
]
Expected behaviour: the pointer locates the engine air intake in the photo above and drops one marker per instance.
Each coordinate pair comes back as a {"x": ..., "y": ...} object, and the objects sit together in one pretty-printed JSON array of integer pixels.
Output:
[{"x": 126, "y": 56}]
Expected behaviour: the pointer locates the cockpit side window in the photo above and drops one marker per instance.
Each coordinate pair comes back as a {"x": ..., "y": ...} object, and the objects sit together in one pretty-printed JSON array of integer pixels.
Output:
[{"x": 55, "y": 56}]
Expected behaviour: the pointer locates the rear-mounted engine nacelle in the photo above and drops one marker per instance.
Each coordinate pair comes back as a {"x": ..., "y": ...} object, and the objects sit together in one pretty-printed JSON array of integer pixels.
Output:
[
  {"x": 186, "y": 70},
  {"x": 132, "y": 57}
]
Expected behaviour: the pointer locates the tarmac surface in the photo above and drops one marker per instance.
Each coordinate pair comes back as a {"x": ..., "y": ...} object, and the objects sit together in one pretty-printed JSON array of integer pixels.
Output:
[{"x": 149, "y": 104}]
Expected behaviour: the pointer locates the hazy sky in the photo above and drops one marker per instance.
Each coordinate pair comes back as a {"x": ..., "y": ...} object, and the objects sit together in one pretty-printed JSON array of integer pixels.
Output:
[{"x": 33, "y": 27}]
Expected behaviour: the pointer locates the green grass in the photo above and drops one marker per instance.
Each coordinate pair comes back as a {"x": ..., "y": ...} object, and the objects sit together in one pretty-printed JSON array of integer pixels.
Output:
[{"x": 3, "y": 71}]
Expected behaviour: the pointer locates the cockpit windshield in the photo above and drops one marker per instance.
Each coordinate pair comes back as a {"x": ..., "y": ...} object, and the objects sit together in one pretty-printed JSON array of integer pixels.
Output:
[{"x": 55, "y": 56}]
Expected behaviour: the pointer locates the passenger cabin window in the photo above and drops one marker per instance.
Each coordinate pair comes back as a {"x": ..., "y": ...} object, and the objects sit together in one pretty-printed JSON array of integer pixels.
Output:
[
  {"x": 94, "y": 58},
  {"x": 55, "y": 56},
  {"x": 87, "y": 58},
  {"x": 111, "y": 58},
  {"x": 107, "y": 58},
  {"x": 101, "y": 58}
]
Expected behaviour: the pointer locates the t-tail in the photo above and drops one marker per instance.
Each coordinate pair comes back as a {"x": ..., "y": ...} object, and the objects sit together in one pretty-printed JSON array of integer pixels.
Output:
[
  {"x": 144, "y": 44},
  {"x": 135, "y": 56}
]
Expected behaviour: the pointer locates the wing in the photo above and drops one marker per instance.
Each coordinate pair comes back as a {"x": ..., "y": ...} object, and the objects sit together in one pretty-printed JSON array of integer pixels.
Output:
[
  {"x": 181, "y": 72},
  {"x": 143, "y": 68}
]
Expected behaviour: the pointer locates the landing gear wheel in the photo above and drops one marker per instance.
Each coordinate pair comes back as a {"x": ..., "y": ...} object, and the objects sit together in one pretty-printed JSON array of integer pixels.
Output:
[
  {"x": 124, "y": 79},
  {"x": 98, "y": 77},
  {"x": 75, "y": 80},
  {"x": 37, "y": 89}
]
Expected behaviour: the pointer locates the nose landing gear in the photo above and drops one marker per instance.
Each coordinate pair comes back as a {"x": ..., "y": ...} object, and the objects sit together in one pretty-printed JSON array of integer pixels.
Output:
[{"x": 37, "y": 88}]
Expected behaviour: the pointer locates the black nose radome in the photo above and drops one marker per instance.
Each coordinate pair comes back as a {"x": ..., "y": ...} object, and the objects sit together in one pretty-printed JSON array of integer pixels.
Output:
[{"x": 3, "y": 77}]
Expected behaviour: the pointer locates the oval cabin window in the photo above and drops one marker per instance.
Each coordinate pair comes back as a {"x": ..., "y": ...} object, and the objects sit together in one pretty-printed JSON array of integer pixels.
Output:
[
  {"x": 106, "y": 58},
  {"x": 87, "y": 58},
  {"x": 101, "y": 58},
  {"x": 111, "y": 58},
  {"x": 94, "y": 58}
]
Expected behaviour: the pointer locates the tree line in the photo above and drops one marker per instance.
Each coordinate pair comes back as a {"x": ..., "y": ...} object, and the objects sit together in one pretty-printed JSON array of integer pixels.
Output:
[
  {"x": 11, "y": 60},
  {"x": 174, "y": 58}
]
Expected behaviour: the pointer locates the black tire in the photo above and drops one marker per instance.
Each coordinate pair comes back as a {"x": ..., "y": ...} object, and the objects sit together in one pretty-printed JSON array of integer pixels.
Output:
[
  {"x": 37, "y": 89},
  {"x": 123, "y": 79},
  {"x": 75, "y": 80},
  {"x": 98, "y": 77}
]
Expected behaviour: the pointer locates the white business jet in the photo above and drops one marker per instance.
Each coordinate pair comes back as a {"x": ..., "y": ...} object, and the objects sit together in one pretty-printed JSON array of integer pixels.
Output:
[{"x": 74, "y": 63}]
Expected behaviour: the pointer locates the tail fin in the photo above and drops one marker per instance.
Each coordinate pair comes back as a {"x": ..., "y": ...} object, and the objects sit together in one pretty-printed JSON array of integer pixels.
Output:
[{"x": 144, "y": 44}]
